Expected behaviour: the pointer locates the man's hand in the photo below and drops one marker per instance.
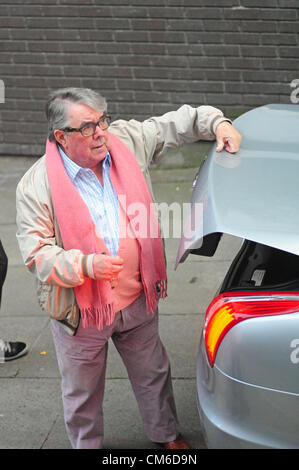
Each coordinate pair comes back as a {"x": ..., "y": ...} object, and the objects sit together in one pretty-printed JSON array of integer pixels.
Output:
[
  {"x": 227, "y": 137},
  {"x": 107, "y": 267}
]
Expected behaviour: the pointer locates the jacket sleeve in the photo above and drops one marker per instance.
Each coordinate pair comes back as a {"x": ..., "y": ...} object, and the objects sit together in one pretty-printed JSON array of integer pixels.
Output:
[
  {"x": 38, "y": 235},
  {"x": 154, "y": 136}
]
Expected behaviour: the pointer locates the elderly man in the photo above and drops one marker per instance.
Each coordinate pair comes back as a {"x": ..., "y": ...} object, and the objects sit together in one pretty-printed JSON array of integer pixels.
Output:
[{"x": 99, "y": 276}]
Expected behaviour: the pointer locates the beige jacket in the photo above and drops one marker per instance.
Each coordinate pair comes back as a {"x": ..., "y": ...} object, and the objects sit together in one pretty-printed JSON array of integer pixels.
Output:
[{"x": 58, "y": 271}]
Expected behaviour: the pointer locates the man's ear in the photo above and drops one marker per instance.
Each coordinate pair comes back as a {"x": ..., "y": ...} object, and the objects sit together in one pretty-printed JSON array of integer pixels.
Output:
[{"x": 60, "y": 137}]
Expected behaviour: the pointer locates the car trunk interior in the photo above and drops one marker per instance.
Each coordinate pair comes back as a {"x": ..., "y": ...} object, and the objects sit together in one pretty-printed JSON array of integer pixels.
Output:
[{"x": 261, "y": 267}]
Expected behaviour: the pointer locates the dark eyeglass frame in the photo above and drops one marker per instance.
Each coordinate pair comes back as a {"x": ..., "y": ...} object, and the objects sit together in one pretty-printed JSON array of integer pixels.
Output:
[{"x": 103, "y": 123}]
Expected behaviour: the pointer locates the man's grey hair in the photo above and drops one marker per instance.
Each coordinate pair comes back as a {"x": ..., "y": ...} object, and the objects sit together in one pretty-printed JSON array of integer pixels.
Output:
[{"x": 58, "y": 105}]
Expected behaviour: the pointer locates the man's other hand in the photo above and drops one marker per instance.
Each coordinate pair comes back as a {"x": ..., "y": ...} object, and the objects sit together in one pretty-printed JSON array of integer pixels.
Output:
[{"x": 107, "y": 268}]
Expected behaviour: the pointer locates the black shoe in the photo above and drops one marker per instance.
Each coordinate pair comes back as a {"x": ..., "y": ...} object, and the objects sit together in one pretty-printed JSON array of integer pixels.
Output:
[{"x": 11, "y": 350}]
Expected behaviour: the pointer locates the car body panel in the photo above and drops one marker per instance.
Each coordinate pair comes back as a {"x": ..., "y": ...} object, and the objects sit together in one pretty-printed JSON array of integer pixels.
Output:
[
  {"x": 252, "y": 194},
  {"x": 238, "y": 415},
  {"x": 262, "y": 351}
]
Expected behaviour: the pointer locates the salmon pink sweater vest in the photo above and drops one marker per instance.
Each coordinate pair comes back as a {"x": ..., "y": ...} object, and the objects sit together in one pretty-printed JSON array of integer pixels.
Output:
[{"x": 129, "y": 285}]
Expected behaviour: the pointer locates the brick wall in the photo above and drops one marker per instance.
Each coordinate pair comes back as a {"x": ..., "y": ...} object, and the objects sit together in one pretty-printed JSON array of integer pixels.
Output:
[{"x": 145, "y": 56}]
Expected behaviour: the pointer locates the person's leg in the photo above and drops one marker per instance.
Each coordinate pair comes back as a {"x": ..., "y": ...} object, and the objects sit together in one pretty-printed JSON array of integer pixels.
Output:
[
  {"x": 9, "y": 350},
  {"x": 3, "y": 268},
  {"x": 82, "y": 364},
  {"x": 145, "y": 358}
]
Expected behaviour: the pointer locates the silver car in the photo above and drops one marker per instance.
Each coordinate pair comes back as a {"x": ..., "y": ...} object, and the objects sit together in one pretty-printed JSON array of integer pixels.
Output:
[{"x": 248, "y": 361}]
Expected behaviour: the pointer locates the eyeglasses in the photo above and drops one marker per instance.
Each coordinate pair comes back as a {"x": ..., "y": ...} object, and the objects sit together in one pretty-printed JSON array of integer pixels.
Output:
[{"x": 90, "y": 127}]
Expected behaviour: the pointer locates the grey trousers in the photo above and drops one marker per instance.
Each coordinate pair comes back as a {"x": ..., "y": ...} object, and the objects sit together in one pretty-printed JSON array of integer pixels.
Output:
[{"x": 82, "y": 364}]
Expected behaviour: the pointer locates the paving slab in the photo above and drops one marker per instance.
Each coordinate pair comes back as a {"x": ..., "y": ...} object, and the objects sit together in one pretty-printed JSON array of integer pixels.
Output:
[{"x": 28, "y": 411}]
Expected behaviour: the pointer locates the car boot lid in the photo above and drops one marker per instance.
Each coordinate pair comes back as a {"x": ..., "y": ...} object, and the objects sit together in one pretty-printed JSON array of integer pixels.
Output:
[{"x": 254, "y": 193}]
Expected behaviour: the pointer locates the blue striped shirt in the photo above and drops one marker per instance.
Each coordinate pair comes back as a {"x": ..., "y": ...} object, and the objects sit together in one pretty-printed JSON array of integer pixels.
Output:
[{"x": 101, "y": 200}]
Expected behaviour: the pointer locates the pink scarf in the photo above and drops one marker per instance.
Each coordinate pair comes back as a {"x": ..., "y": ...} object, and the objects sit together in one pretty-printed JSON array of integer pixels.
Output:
[{"x": 78, "y": 230}]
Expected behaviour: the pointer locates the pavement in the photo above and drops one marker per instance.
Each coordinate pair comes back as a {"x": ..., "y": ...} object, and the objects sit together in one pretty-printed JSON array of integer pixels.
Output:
[{"x": 31, "y": 413}]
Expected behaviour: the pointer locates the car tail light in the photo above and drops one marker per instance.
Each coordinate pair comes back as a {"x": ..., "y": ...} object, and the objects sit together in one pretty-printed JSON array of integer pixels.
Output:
[{"x": 230, "y": 308}]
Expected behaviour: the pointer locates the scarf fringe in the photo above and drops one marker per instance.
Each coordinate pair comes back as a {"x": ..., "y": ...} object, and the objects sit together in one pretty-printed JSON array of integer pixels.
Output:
[
  {"x": 105, "y": 315},
  {"x": 98, "y": 317}
]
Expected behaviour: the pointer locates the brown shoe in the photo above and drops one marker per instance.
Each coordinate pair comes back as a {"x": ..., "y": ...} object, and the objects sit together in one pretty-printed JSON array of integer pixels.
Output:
[{"x": 178, "y": 443}]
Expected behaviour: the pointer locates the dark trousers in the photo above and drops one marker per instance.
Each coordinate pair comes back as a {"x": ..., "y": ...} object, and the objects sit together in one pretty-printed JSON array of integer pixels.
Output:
[{"x": 3, "y": 268}]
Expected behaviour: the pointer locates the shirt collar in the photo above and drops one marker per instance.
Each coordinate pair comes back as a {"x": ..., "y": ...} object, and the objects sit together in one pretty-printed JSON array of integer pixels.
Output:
[{"x": 73, "y": 169}]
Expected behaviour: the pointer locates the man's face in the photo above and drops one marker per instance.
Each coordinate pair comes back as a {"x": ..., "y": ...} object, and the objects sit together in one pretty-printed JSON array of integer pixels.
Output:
[{"x": 87, "y": 152}]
